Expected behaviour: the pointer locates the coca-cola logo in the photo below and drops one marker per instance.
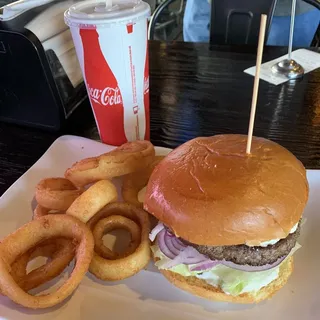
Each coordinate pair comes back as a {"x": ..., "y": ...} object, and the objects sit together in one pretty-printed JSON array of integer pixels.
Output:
[
  {"x": 146, "y": 85},
  {"x": 106, "y": 97}
]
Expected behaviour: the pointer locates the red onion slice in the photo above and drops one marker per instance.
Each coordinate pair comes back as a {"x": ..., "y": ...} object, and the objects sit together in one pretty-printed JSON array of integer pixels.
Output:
[
  {"x": 178, "y": 244},
  {"x": 168, "y": 241},
  {"x": 153, "y": 234},
  {"x": 188, "y": 256},
  {"x": 205, "y": 265},
  {"x": 248, "y": 268},
  {"x": 191, "y": 256},
  {"x": 179, "y": 253},
  {"x": 162, "y": 245}
]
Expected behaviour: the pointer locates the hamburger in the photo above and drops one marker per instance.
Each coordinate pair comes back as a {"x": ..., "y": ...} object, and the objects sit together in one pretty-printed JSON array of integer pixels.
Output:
[{"x": 228, "y": 221}]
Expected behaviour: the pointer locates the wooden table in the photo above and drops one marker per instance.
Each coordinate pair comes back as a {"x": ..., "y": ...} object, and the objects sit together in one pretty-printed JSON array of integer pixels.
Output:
[{"x": 197, "y": 89}]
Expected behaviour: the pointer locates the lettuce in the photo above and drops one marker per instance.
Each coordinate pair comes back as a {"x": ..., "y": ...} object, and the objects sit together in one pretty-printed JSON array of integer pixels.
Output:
[
  {"x": 231, "y": 281},
  {"x": 235, "y": 282}
]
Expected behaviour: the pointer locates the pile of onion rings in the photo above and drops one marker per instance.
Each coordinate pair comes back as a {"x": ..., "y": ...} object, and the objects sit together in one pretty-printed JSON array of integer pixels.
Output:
[
  {"x": 130, "y": 157},
  {"x": 111, "y": 223},
  {"x": 42, "y": 229},
  {"x": 56, "y": 193},
  {"x": 60, "y": 251},
  {"x": 130, "y": 263},
  {"x": 92, "y": 200},
  {"x": 135, "y": 182},
  {"x": 71, "y": 217},
  {"x": 40, "y": 211}
]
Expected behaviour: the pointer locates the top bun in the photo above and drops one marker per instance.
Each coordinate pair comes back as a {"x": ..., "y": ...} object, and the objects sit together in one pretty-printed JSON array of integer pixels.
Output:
[{"x": 210, "y": 192}]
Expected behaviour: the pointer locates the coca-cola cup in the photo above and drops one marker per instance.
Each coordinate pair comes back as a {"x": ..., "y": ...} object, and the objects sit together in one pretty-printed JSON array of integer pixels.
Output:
[{"x": 111, "y": 42}]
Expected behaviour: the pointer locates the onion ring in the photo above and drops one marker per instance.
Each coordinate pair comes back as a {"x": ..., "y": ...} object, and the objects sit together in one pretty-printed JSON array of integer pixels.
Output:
[
  {"x": 56, "y": 193},
  {"x": 129, "y": 157},
  {"x": 112, "y": 223},
  {"x": 40, "y": 211},
  {"x": 122, "y": 268},
  {"x": 93, "y": 200},
  {"x": 45, "y": 249},
  {"x": 33, "y": 233},
  {"x": 134, "y": 182},
  {"x": 60, "y": 251}
]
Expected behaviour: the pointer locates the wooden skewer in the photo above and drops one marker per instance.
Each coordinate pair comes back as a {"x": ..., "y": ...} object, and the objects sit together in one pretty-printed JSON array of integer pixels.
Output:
[{"x": 256, "y": 80}]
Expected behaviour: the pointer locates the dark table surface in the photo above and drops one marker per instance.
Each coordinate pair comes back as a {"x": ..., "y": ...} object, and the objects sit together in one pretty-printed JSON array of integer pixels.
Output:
[{"x": 197, "y": 90}]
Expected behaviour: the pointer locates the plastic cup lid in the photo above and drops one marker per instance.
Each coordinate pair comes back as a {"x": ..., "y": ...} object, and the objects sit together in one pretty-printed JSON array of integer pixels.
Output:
[{"x": 98, "y": 12}]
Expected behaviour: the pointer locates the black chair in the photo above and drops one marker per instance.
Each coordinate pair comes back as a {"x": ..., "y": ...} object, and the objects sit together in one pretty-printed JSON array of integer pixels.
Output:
[
  {"x": 165, "y": 23},
  {"x": 238, "y": 21},
  {"x": 314, "y": 3},
  {"x": 316, "y": 39}
]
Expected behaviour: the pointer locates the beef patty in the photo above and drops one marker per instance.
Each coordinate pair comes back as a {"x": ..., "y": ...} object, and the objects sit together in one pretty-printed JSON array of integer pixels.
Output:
[{"x": 254, "y": 256}]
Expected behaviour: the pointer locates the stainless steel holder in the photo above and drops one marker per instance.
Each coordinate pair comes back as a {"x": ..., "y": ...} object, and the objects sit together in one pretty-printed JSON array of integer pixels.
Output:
[{"x": 289, "y": 67}]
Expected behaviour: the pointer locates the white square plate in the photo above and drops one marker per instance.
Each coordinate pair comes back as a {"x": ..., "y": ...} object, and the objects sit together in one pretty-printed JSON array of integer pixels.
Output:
[{"x": 148, "y": 295}]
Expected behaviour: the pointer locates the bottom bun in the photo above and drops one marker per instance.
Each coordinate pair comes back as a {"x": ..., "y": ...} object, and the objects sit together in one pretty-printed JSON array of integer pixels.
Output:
[{"x": 202, "y": 289}]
